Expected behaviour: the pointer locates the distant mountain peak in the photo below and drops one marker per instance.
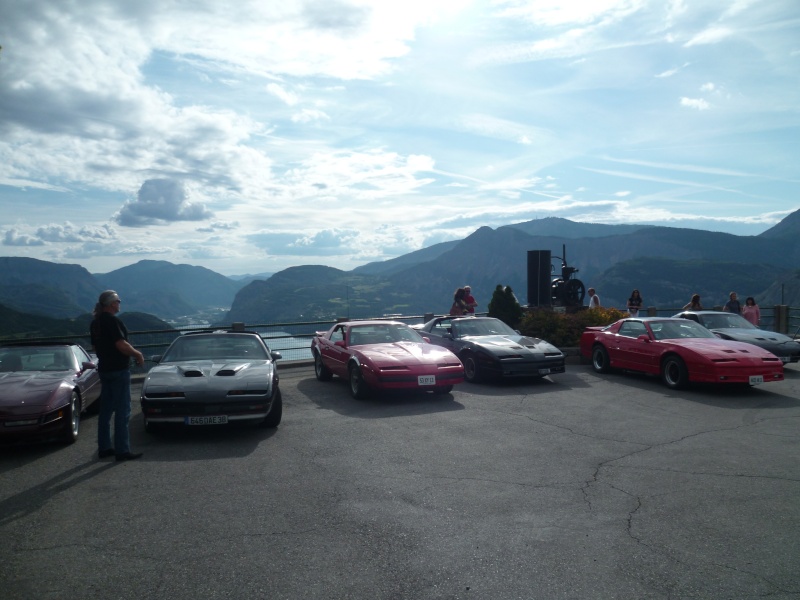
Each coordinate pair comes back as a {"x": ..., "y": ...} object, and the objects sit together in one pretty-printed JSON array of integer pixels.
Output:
[{"x": 789, "y": 226}]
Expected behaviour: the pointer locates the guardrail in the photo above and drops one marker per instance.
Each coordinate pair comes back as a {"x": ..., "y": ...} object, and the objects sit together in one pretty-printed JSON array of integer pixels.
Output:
[{"x": 293, "y": 339}]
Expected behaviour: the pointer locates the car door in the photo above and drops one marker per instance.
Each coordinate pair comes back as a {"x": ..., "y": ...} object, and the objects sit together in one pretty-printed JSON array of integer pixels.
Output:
[
  {"x": 442, "y": 334},
  {"x": 334, "y": 354},
  {"x": 633, "y": 353},
  {"x": 88, "y": 379}
]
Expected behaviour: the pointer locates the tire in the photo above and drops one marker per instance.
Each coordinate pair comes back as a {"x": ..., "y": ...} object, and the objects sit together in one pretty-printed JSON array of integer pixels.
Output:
[
  {"x": 72, "y": 424},
  {"x": 472, "y": 372},
  {"x": 674, "y": 373},
  {"x": 273, "y": 419},
  {"x": 150, "y": 427},
  {"x": 358, "y": 387},
  {"x": 601, "y": 362},
  {"x": 322, "y": 372},
  {"x": 442, "y": 389}
]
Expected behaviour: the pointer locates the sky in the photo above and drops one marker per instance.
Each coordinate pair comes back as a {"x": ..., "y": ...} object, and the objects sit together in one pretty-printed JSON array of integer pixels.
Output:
[{"x": 252, "y": 136}]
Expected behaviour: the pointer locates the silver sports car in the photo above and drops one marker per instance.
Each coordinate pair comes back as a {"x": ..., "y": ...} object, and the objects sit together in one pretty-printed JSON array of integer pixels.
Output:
[{"x": 213, "y": 378}]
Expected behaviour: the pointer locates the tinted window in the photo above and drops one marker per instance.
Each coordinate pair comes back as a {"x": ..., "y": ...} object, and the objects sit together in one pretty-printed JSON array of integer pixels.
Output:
[{"x": 632, "y": 329}]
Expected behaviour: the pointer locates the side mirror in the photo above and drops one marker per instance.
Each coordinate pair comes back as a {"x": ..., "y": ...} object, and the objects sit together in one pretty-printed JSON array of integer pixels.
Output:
[
  {"x": 339, "y": 343},
  {"x": 156, "y": 358},
  {"x": 87, "y": 366},
  {"x": 644, "y": 338},
  {"x": 275, "y": 355},
  {"x": 426, "y": 339}
]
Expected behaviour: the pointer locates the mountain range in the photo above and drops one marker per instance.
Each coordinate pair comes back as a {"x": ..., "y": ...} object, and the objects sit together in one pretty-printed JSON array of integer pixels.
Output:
[{"x": 666, "y": 264}]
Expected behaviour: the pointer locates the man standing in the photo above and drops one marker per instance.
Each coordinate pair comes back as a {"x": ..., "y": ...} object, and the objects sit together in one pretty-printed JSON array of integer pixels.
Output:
[
  {"x": 469, "y": 300},
  {"x": 110, "y": 341},
  {"x": 733, "y": 305},
  {"x": 594, "y": 299}
]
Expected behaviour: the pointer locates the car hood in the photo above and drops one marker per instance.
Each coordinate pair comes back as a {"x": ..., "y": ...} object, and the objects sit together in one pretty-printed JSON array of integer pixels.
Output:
[
  {"x": 755, "y": 336},
  {"x": 407, "y": 353},
  {"x": 28, "y": 388},
  {"x": 515, "y": 344},
  {"x": 716, "y": 348},
  {"x": 210, "y": 375}
]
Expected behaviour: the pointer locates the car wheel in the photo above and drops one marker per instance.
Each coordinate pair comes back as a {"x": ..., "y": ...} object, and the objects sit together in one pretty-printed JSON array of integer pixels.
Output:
[
  {"x": 149, "y": 426},
  {"x": 442, "y": 389},
  {"x": 72, "y": 425},
  {"x": 358, "y": 388},
  {"x": 600, "y": 360},
  {"x": 674, "y": 372},
  {"x": 322, "y": 372},
  {"x": 471, "y": 370},
  {"x": 273, "y": 419}
]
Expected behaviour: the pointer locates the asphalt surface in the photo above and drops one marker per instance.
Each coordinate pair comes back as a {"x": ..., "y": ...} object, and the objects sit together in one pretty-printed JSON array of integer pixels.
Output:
[{"x": 575, "y": 486}]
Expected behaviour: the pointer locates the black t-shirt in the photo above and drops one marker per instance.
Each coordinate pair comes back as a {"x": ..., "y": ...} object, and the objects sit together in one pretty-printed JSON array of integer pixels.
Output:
[{"x": 106, "y": 331}]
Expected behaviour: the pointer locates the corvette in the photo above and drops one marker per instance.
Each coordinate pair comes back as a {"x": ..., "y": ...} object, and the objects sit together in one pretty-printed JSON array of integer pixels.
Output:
[
  {"x": 488, "y": 347},
  {"x": 213, "y": 378},
  {"x": 679, "y": 350},
  {"x": 382, "y": 355},
  {"x": 44, "y": 388}
]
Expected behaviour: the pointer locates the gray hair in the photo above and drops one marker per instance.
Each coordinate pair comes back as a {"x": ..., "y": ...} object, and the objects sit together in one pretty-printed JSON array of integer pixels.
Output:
[{"x": 106, "y": 298}]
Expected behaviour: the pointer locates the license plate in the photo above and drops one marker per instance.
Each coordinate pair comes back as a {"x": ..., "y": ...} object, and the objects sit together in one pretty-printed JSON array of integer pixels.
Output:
[
  {"x": 756, "y": 379},
  {"x": 215, "y": 420},
  {"x": 544, "y": 371},
  {"x": 426, "y": 379}
]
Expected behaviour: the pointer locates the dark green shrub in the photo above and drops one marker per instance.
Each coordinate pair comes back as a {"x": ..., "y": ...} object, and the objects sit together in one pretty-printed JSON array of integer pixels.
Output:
[
  {"x": 564, "y": 330},
  {"x": 504, "y": 306}
]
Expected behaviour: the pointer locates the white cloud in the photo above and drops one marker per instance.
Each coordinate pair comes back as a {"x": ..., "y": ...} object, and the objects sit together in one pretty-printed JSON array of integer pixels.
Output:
[
  {"x": 160, "y": 201},
  {"x": 697, "y": 103}
]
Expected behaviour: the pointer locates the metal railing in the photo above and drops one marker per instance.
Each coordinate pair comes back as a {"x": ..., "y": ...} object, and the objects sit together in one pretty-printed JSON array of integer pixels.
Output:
[{"x": 293, "y": 339}]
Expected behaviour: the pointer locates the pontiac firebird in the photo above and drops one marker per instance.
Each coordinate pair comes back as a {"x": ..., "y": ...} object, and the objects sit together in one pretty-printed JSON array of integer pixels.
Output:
[
  {"x": 213, "y": 378},
  {"x": 679, "y": 350},
  {"x": 382, "y": 355}
]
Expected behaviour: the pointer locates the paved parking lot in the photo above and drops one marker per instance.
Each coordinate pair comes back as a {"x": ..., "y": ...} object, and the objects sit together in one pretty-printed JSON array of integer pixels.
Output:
[{"x": 576, "y": 486}]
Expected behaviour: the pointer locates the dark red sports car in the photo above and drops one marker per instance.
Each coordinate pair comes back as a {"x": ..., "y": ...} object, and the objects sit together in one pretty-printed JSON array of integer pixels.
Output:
[
  {"x": 374, "y": 355},
  {"x": 44, "y": 388},
  {"x": 679, "y": 350}
]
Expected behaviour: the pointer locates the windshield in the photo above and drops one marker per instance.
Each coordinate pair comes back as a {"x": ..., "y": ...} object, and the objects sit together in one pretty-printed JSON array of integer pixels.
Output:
[
  {"x": 725, "y": 320},
  {"x": 215, "y": 347},
  {"x": 479, "y": 327},
  {"x": 382, "y": 334},
  {"x": 37, "y": 358},
  {"x": 677, "y": 329}
]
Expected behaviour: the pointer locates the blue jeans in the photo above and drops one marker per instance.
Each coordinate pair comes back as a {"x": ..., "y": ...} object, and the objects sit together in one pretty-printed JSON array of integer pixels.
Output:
[{"x": 115, "y": 397}]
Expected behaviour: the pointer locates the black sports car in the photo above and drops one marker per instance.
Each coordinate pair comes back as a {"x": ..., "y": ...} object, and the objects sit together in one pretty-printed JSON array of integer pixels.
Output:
[
  {"x": 213, "y": 378},
  {"x": 729, "y": 326},
  {"x": 488, "y": 347}
]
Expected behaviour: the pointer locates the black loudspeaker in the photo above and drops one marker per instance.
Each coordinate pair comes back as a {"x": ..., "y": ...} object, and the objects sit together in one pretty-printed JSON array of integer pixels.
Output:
[{"x": 539, "y": 278}]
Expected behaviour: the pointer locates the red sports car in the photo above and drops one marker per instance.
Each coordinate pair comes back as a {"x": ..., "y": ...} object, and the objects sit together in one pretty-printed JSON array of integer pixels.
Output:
[
  {"x": 679, "y": 350},
  {"x": 376, "y": 355}
]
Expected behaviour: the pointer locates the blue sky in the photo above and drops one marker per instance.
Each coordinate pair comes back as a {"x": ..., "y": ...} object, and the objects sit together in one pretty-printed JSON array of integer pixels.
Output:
[{"x": 249, "y": 137}]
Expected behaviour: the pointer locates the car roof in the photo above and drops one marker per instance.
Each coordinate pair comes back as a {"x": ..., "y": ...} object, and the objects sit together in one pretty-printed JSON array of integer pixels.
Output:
[
  {"x": 372, "y": 322},
  {"x": 35, "y": 344},
  {"x": 221, "y": 332}
]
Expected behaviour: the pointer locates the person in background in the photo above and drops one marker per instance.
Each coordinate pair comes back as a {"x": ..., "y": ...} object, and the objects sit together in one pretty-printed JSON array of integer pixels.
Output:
[
  {"x": 694, "y": 303},
  {"x": 594, "y": 299},
  {"x": 732, "y": 305},
  {"x": 751, "y": 312},
  {"x": 110, "y": 342},
  {"x": 469, "y": 300},
  {"x": 459, "y": 306},
  {"x": 634, "y": 303}
]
